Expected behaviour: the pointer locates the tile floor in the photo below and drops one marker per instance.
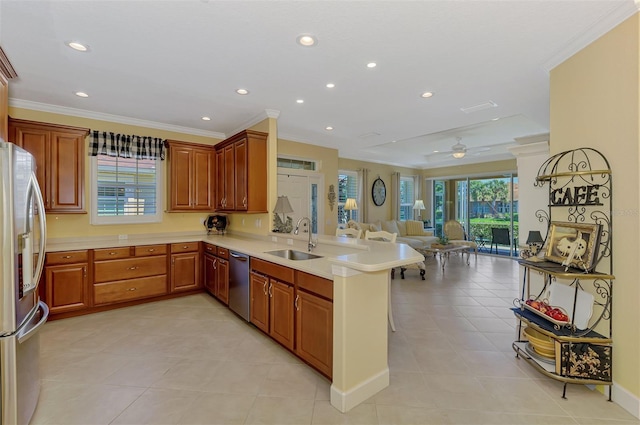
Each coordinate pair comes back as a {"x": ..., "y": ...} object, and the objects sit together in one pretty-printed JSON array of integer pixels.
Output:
[{"x": 190, "y": 361}]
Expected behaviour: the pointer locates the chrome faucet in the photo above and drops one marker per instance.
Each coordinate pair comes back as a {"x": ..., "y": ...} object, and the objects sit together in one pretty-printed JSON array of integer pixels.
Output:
[{"x": 310, "y": 244}]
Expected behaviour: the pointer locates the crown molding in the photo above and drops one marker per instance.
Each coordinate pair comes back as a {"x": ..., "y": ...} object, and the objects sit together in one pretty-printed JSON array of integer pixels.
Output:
[
  {"x": 536, "y": 148},
  {"x": 6, "y": 69},
  {"x": 268, "y": 113},
  {"x": 597, "y": 30},
  {"x": 63, "y": 110}
]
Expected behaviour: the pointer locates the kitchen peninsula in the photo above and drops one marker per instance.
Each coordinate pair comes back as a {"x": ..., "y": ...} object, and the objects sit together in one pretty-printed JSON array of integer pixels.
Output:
[{"x": 359, "y": 270}]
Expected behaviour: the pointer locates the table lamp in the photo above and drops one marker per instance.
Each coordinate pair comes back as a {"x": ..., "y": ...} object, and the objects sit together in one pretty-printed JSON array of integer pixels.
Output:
[
  {"x": 350, "y": 205},
  {"x": 419, "y": 205},
  {"x": 283, "y": 206}
]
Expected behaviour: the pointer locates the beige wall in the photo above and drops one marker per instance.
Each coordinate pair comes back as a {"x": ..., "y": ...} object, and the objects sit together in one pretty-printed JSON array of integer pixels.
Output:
[
  {"x": 382, "y": 212},
  {"x": 328, "y": 158},
  {"x": 595, "y": 99}
]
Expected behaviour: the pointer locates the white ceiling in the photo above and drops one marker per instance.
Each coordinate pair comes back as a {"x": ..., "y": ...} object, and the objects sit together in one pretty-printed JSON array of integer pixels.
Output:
[{"x": 165, "y": 64}]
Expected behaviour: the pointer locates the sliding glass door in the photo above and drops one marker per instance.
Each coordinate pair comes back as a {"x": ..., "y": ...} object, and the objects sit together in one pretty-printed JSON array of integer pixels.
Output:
[{"x": 487, "y": 207}]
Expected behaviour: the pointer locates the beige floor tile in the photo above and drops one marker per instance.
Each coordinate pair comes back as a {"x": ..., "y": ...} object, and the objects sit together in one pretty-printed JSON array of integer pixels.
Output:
[
  {"x": 280, "y": 411},
  {"x": 158, "y": 406},
  {"x": 225, "y": 409},
  {"x": 325, "y": 414}
]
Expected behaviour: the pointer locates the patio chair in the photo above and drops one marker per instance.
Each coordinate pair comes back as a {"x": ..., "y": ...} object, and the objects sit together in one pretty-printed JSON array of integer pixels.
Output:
[{"x": 501, "y": 236}]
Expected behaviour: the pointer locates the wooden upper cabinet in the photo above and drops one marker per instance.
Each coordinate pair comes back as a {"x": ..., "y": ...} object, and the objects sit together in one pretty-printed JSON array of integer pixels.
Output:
[
  {"x": 59, "y": 154},
  {"x": 191, "y": 176},
  {"x": 242, "y": 173}
]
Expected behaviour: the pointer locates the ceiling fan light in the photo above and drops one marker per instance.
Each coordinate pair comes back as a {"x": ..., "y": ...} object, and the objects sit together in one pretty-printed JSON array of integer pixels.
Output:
[
  {"x": 458, "y": 155},
  {"x": 458, "y": 150}
]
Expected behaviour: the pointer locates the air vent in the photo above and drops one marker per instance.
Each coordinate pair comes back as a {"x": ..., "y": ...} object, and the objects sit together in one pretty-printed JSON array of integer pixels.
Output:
[{"x": 480, "y": 107}]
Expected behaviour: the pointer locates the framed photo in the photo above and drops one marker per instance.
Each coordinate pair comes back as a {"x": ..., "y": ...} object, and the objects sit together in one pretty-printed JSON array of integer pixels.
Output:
[{"x": 573, "y": 245}]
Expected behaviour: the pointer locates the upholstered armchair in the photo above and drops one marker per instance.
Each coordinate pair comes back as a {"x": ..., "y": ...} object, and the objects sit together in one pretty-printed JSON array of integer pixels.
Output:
[{"x": 454, "y": 231}]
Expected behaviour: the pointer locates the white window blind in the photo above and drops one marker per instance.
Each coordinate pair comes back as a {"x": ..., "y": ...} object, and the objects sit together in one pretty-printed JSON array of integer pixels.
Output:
[
  {"x": 347, "y": 188},
  {"x": 407, "y": 197},
  {"x": 126, "y": 190}
]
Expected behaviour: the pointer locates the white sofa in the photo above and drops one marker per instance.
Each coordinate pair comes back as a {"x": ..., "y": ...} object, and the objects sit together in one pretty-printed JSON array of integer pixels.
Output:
[{"x": 410, "y": 232}]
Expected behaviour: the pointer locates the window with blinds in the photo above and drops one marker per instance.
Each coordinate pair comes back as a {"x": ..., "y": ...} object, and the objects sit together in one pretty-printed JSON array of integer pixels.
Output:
[
  {"x": 126, "y": 190},
  {"x": 407, "y": 197},
  {"x": 347, "y": 188}
]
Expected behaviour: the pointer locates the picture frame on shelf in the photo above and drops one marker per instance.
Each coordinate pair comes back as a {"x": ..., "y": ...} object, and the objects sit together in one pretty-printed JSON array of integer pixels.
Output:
[{"x": 573, "y": 245}]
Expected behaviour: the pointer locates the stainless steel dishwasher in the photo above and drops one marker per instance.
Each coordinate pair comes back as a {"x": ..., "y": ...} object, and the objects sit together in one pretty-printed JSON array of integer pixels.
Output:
[{"x": 239, "y": 284}]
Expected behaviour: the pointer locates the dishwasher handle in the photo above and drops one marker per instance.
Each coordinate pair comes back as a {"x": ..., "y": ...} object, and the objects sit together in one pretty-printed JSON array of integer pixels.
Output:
[{"x": 239, "y": 256}]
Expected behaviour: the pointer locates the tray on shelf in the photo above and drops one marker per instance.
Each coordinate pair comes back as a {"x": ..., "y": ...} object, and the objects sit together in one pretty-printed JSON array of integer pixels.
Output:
[
  {"x": 544, "y": 316},
  {"x": 565, "y": 331}
]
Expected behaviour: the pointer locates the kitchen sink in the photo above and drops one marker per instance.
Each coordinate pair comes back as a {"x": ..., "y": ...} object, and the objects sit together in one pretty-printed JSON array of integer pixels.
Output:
[{"x": 291, "y": 254}]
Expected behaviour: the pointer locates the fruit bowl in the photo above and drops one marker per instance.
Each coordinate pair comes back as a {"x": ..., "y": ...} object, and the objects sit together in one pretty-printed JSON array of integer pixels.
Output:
[
  {"x": 542, "y": 344},
  {"x": 561, "y": 319}
]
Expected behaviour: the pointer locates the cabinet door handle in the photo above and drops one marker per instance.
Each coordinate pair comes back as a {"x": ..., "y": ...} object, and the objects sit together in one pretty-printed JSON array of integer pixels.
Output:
[
  {"x": 112, "y": 253},
  {"x": 295, "y": 303},
  {"x": 244, "y": 201},
  {"x": 215, "y": 261},
  {"x": 270, "y": 290},
  {"x": 132, "y": 268},
  {"x": 67, "y": 256},
  {"x": 84, "y": 272},
  {"x": 151, "y": 249},
  {"x": 131, "y": 289}
]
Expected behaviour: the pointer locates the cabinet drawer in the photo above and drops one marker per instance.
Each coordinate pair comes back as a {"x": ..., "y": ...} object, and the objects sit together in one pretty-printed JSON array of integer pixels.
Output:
[
  {"x": 67, "y": 257},
  {"x": 184, "y": 247},
  {"x": 274, "y": 270},
  {"x": 111, "y": 253},
  {"x": 125, "y": 290},
  {"x": 223, "y": 253},
  {"x": 210, "y": 249},
  {"x": 315, "y": 284},
  {"x": 106, "y": 271},
  {"x": 144, "y": 250}
]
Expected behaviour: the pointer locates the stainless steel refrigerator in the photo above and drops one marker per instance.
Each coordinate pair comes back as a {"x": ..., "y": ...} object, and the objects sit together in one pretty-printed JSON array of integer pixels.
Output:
[{"x": 22, "y": 242}]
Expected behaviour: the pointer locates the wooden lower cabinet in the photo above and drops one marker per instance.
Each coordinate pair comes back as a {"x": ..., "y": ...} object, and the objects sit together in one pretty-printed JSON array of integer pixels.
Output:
[
  {"x": 66, "y": 281},
  {"x": 259, "y": 304},
  {"x": 271, "y": 308},
  {"x": 67, "y": 288},
  {"x": 129, "y": 273},
  {"x": 314, "y": 331},
  {"x": 216, "y": 277},
  {"x": 185, "y": 266},
  {"x": 281, "y": 313}
]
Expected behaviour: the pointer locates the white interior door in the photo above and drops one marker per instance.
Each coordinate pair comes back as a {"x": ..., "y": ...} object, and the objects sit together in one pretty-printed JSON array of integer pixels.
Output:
[
  {"x": 296, "y": 188},
  {"x": 305, "y": 194}
]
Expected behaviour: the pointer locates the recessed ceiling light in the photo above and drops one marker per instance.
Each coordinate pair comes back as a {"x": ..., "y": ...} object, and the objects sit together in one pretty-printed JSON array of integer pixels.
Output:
[
  {"x": 372, "y": 65},
  {"x": 81, "y": 94},
  {"x": 78, "y": 46},
  {"x": 328, "y": 128},
  {"x": 495, "y": 119},
  {"x": 206, "y": 118},
  {"x": 330, "y": 85},
  {"x": 242, "y": 91},
  {"x": 299, "y": 101},
  {"x": 436, "y": 151},
  {"x": 306, "y": 40},
  {"x": 426, "y": 94}
]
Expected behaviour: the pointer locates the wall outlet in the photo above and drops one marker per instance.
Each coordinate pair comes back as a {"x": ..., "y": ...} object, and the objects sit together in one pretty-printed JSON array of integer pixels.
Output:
[
  {"x": 243, "y": 221},
  {"x": 289, "y": 241},
  {"x": 123, "y": 237},
  {"x": 258, "y": 223}
]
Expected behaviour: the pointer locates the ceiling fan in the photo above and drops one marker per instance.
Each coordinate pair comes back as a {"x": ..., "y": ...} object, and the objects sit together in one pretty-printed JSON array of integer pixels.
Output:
[{"x": 457, "y": 151}]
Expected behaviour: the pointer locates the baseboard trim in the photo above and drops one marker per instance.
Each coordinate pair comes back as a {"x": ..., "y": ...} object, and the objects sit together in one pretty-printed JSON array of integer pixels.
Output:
[
  {"x": 626, "y": 400},
  {"x": 345, "y": 401}
]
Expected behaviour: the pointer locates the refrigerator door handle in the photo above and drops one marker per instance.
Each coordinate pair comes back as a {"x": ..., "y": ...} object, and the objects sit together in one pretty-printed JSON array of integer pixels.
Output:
[
  {"x": 27, "y": 332},
  {"x": 43, "y": 231}
]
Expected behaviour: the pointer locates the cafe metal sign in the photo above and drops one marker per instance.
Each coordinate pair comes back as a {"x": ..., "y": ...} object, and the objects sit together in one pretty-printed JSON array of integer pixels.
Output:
[{"x": 575, "y": 195}]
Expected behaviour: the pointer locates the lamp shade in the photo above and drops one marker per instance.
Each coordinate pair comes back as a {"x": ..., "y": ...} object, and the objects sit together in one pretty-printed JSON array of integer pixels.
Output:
[
  {"x": 350, "y": 204},
  {"x": 419, "y": 205},
  {"x": 283, "y": 205},
  {"x": 534, "y": 237}
]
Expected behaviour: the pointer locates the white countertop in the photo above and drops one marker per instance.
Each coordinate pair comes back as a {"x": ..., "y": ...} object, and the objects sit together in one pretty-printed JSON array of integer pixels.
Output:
[{"x": 365, "y": 256}]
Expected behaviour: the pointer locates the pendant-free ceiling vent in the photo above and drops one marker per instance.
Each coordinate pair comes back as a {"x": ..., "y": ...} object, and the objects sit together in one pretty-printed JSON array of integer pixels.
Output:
[{"x": 480, "y": 107}]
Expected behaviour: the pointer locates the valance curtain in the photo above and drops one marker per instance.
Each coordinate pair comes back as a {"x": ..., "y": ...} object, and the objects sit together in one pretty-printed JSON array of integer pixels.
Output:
[{"x": 126, "y": 146}]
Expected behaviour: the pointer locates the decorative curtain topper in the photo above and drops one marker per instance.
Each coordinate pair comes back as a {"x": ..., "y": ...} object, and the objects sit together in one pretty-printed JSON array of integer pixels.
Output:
[{"x": 126, "y": 146}]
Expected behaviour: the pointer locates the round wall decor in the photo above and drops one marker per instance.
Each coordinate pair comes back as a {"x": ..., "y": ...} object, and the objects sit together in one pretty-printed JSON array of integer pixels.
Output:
[{"x": 378, "y": 192}]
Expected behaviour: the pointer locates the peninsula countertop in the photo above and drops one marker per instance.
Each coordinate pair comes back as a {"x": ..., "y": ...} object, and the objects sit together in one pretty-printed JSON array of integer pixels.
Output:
[{"x": 356, "y": 254}]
